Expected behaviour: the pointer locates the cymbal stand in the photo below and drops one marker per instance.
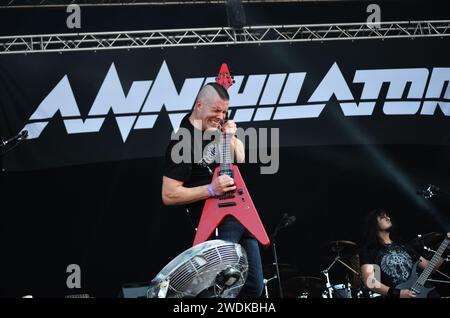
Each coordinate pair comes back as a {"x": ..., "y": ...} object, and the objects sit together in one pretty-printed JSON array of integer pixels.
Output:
[
  {"x": 438, "y": 280},
  {"x": 265, "y": 281},
  {"x": 327, "y": 275},
  {"x": 351, "y": 269}
]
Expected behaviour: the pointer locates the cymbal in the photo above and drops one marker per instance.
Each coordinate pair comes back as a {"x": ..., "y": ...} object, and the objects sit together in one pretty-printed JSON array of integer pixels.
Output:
[
  {"x": 340, "y": 248},
  {"x": 294, "y": 287},
  {"x": 286, "y": 270}
]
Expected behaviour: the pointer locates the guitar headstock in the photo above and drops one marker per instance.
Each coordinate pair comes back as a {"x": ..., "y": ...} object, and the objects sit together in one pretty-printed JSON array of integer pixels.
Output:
[{"x": 224, "y": 77}]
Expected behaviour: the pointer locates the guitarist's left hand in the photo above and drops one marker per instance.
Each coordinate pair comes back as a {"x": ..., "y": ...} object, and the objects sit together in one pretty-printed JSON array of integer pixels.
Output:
[
  {"x": 229, "y": 128},
  {"x": 448, "y": 234},
  {"x": 236, "y": 145}
]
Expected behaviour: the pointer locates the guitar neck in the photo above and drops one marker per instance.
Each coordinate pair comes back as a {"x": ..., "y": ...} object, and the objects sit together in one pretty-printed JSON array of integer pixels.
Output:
[
  {"x": 225, "y": 152},
  {"x": 433, "y": 262}
]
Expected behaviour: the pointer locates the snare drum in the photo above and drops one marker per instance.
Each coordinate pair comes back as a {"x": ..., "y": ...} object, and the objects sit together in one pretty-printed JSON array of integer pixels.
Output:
[{"x": 344, "y": 291}]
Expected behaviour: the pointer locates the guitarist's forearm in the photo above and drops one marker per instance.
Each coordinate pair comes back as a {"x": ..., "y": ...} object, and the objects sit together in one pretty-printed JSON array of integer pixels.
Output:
[
  {"x": 239, "y": 151},
  {"x": 183, "y": 195},
  {"x": 380, "y": 288}
]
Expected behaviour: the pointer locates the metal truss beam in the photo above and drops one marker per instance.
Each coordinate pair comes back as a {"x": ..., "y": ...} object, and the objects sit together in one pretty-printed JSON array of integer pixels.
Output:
[
  {"x": 221, "y": 36},
  {"x": 63, "y": 3},
  {"x": 17, "y": 4}
]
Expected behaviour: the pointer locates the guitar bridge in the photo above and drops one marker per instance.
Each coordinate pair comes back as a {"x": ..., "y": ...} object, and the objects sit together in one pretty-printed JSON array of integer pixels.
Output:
[{"x": 226, "y": 196}]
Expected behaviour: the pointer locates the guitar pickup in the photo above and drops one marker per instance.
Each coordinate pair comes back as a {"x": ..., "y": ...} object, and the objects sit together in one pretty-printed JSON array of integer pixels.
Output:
[
  {"x": 227, "y": 196},
  {"x": 225, "y": 204}
]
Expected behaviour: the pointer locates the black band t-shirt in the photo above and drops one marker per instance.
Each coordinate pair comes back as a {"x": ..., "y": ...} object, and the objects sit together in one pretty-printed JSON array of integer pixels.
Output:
[
  {"x": 395, "y": 260},
  {"x": 198, "y": 169}
]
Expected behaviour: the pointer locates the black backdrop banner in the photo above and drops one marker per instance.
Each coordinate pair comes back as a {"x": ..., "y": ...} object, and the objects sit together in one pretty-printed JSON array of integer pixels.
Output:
[
  {"x": 108, "y": 218},
  {"x": 86, "y": 107}
]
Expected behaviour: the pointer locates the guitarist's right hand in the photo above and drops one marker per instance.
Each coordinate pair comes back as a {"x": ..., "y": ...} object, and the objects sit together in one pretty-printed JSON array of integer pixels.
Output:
[
  {"x": 407, "y": 293},
  {"x": 223, "y": 184}
]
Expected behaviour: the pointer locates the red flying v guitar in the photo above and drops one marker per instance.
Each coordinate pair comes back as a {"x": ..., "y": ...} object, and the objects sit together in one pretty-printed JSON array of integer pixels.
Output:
[{"x": 238, "y": 203}]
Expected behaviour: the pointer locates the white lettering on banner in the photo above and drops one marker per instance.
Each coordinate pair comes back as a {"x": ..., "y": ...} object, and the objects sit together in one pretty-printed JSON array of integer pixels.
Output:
[
  {"x": 60, "y": 98},
  {"x": 112, "y": 97},
  {"x": 397, "y": 79},
  {"x": 274, "y": 96},
  {"x": 439, "y": 78},
  {"x": 251, "y": 92},
  {"x": 164, "y": 93}
]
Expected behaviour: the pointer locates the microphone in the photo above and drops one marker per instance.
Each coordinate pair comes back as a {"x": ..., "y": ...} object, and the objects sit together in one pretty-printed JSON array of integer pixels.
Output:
[
  {"x": 429, "y": 191},
  {"x": 20, "y": 136},
  {"x": 283, "y": 219},
  {"x": 290, "y": 221},
  {"x": 287, "y": 221}
]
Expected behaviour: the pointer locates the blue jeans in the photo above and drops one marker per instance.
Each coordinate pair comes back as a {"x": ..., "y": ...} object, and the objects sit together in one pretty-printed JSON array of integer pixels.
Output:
[{"x": 232, "y": 231}]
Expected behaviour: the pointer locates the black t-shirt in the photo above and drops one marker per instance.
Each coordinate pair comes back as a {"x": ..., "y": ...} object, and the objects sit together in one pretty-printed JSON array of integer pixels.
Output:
[
  {"x": 395, "y": 260},
  {"x": 197, "y": 170}
]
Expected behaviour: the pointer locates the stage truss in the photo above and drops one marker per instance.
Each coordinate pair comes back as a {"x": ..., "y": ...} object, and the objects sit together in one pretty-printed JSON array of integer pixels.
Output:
[{"x": 147, "y": 39}]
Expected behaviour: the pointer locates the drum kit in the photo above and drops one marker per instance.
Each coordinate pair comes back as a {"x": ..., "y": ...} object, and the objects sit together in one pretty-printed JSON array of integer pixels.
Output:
[
  {"x": 342, "y": 254},
  {"x": 297, "y": 286}
]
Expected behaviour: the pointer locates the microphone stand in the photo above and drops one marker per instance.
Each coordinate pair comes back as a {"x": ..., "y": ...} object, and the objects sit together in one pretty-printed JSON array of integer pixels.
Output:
[
  {"x": 265, "y": 281},
  {"x": 17, "y": 139},
  {"x": 275, "y": 258},
  {"x": 283, "y": 223}
]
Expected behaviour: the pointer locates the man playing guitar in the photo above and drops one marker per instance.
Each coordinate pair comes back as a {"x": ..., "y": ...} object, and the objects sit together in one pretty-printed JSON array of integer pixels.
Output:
[
  {"x": 389, "y": 267},
  {"x": 190, "y": 183}
]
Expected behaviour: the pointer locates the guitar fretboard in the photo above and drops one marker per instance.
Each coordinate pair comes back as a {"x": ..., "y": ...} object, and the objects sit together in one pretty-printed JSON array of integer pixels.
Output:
[
  {"x": 432, "y": 263},
  {"x": 225, "y": 152}
]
